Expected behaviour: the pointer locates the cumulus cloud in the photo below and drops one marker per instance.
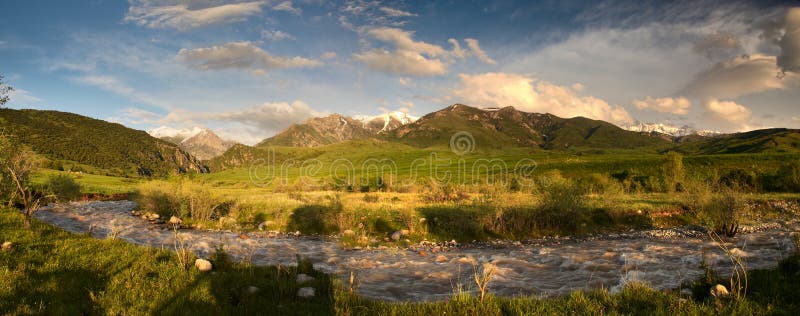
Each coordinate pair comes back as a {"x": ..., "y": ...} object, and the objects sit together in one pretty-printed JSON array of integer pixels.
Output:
[
  {"x": 182, "y": 17},
  {"x": 734, "y": 116},
  {"x": 240, "y": 55},
  {"x": 789, "y": 59},
  {"x": 664, "y": 105},
  {"x": 414, "y": 58},
  {"x": 529, "y": 94},
  {"x": 329, "y": 55},
  {"x": 271, "y": 116},
  {"x": 743, "y": 75},
  {"x": 287, "y": 6},
  {"x": 22, "y": 97},
  {"x": 276, "y": 35}
]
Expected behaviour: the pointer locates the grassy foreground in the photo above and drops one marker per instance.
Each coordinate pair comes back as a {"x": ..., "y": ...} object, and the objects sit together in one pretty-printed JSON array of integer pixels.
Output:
[{"x": 50, "y": 271}]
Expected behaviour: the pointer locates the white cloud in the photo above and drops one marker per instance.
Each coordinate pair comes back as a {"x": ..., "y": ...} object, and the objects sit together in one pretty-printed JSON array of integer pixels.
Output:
[
  {"x": 180, "y": 16},
  {"x": 528, "y": 94},
  {"x": 22, "y": 97},
  {"x": 796, "y": 119},
  {"x": 717, "y": 43},
  {"x": 734, "y": 116},
  {"x": 664, "y": 105},
  {"x": 476, "y": 50},
  {"x": 287, "y": 6},
  {"x": 114, "y": 85},
  {"x": 396, "y": 12},
  {"x": 276, "y": 35},
  {"x": 414, "y": 58},
  {"x": 743, "y": 75},
  {"x": 240, "y": 55}
]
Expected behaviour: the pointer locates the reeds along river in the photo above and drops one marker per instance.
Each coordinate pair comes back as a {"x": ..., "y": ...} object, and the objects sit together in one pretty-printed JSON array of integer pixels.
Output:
[{"x": 404, "y": 275}]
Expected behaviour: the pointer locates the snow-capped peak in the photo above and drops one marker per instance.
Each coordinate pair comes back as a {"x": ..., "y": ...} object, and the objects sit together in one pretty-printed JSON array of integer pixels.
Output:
[
  {"x": 388, "y": 120},
  {"x": 182, "y": 134},
  {"x": 668, "y": 129}
]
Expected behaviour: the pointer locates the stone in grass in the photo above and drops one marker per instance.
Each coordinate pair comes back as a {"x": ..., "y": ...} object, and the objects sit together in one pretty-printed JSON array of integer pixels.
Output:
[
  {"x": 348, "y": 232},
  {"x": 304, "y": 278},
  {"x": 719, "y": 291},
  {"x": 252, "y": 289},
  {"x": 203, "y": 265},
  {"x": 7, "y": 246},
  {"x": 305, "y": 292},
  {"x": 396, "y": 235}
]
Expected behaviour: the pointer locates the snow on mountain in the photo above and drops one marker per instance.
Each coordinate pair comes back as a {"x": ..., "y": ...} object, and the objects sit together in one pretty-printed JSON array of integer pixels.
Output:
[
  {"x": 177, "y": 134},
  {"x": 671, "y": 130},
  {"x": 386, "y": 121}
]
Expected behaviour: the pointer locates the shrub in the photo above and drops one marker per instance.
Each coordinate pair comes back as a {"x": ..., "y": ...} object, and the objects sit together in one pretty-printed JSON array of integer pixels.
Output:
[
  {"x": 562, "y": 207},
  {"x": 371, "y": 198},
  {"x": 724, "y": 211},
  {"x": 785, "y": 179},
  {"x": 442, "y": 193},
  {"x": 180, "y": 198},
  {"x": 63, "y": 187},
  {"x": 596, "y": 183},
  {"x": 672, "y": 171},
  {"x": 739, "y": 178}
]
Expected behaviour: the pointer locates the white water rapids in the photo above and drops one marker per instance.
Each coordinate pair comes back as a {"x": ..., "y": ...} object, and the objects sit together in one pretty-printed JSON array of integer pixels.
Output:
[{"x": 546, "y": 268}]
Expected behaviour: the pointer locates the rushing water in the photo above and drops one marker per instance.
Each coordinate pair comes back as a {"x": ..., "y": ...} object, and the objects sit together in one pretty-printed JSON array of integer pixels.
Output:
[{"x": 548, "y": 268}]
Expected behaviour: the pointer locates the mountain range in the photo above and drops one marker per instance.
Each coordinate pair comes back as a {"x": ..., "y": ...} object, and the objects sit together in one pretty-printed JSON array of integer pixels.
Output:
[
  {"x": 198, "y": 141},
  {"x": 65, "y": 138}
]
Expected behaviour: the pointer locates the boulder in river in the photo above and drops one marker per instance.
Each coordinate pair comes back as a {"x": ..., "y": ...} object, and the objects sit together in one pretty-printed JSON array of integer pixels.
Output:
[
  {"x": 203, "y": 265},
  {"x": 174, "y": 220},
  {"x": 304, "y": 278},
  {"x": 719, "y": 291},
  {"x": 305, "y": 292}
]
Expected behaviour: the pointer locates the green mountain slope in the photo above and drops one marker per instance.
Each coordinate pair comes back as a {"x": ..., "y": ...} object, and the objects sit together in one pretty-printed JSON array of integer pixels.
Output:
[
  {"x": 509, "y": 127},
  {"x": 319, "y": 131},
  {"x": 61, "y": 136},
  {"x": 775, "y": 140}
]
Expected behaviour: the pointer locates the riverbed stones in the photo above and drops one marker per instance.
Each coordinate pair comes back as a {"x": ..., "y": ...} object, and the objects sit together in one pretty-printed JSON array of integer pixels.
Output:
[
  {"x": 265, "y": 224},
  {"x": 7, "y": 246},
  {"x": 396, "y": 235},
  {"x": 305, "y": 292},
  {"x": 203, "y": 265},
  {"x": 719, "y": 291},
  {"x": 441, "y": 259},
  {"x": 304, "y": 278},
  {"x": 174, "y": 220}
]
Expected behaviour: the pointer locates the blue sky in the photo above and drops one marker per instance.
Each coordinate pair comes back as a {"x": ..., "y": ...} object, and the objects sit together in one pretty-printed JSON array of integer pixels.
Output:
[{"x": 248, "y": 69}]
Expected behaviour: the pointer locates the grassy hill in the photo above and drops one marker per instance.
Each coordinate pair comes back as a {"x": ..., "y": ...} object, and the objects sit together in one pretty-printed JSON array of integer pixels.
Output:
[
  {"x": 776, "y": 140},
  {"x": 67, "y": 138}
]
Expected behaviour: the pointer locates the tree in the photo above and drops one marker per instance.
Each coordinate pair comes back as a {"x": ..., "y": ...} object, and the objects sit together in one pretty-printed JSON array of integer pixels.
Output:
[
  {"x": 5, "y": 90},
  {"x": 17, "y": 164}
]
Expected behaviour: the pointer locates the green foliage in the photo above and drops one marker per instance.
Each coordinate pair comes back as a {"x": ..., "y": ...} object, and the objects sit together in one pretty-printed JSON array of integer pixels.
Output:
[
  {"x": 785, "y": 179},
  {"x": 443, "y": 193},
  {"x": 5, "y": 90},
  {"x": 562, "y": 207},
  {"x": 672, "y": 171},
  {"x": 67, "y": 136},
  {"x": 63, "y": 187},
  {"x": 180, "y": 197}
]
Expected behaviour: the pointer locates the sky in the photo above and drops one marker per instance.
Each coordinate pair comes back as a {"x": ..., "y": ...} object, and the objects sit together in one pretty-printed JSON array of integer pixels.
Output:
[{"x": 248, "y": 69}]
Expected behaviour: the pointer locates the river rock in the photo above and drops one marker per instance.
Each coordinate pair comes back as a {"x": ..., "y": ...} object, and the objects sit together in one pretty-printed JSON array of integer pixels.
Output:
[
  {"x": 174, "y": 220},
  {"x": 304, "y": 278},
  {"x": 441, "y": 258},
  {"x": 396, "y": 235},
  {"x": 7, "y": 246},
  {"x": 719, "y": 291},
  {"x": 203, "y": 265},
  {"x": 348, "y": 232},
  {"x": 266, "y": 224},
  {"x": 305, "y": 292}
]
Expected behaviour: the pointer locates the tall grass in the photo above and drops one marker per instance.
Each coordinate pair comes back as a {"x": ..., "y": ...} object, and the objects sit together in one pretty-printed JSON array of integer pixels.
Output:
[{"x": 182, "y": 198}]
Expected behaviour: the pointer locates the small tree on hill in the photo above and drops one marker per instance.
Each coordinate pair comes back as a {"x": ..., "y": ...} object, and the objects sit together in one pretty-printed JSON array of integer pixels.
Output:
[
  {"x": 16, "y": 166},
  {"x": 5, "y": 90},
  {"x": 673, "y": 171}
]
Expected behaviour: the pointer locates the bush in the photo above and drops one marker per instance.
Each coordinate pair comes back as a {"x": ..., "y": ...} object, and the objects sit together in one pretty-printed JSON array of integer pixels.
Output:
[
  {"x": 63, "y": 187},
  {"x": 562, "y": 207},
  {"x": 180, "y": 198},
  {"x": 600, "y": 184},
  {"x": 442, "y": 193},
  {"x": 785, "y": 179}
]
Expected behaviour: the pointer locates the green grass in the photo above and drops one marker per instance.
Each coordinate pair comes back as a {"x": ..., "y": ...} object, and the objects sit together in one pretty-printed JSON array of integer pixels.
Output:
[
  {"x": 92, "y": 183},
  {"x": 49, "y": 271}
]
